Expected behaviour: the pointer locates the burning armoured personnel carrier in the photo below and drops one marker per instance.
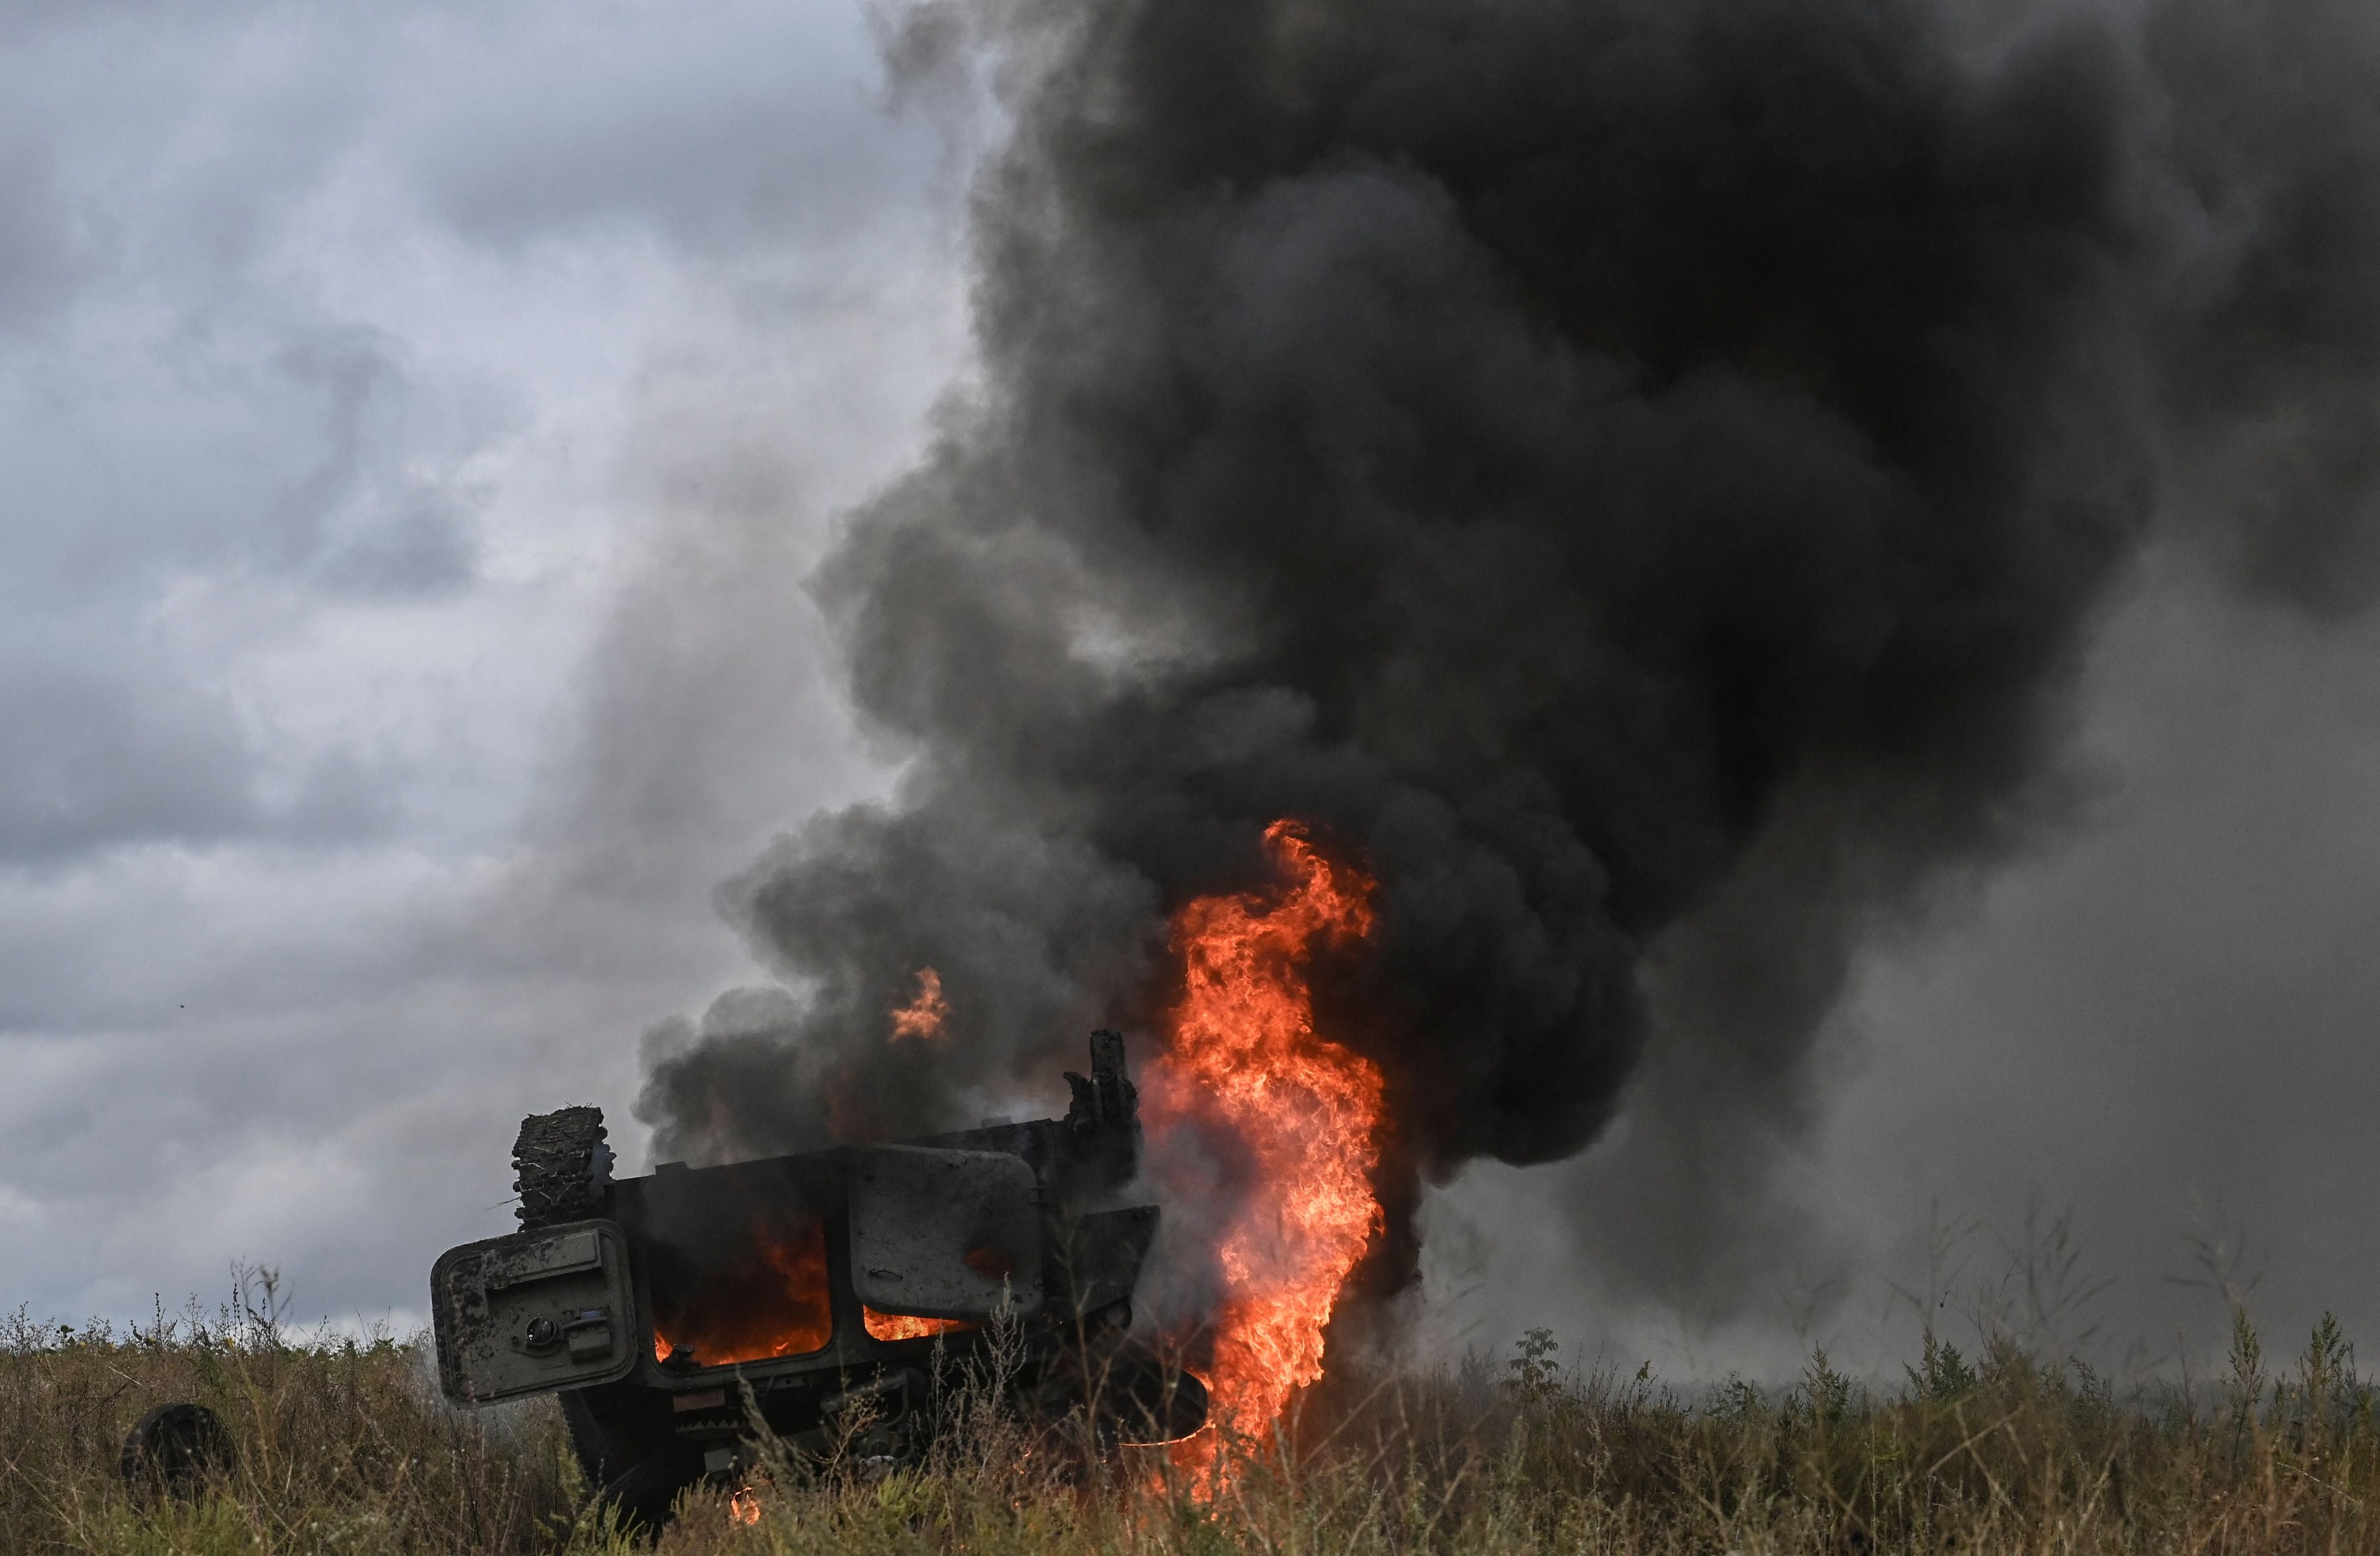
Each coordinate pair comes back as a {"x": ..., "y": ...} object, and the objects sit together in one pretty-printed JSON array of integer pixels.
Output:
[{"x": 817, "y": 1286}]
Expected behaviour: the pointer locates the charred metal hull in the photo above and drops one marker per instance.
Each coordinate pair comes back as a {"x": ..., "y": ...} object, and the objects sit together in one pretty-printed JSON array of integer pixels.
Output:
[{"x": 814, "y": 1288}]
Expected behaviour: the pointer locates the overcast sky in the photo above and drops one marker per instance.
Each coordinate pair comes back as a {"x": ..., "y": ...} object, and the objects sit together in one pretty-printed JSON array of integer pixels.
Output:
[{"x": 415, "y": 422}]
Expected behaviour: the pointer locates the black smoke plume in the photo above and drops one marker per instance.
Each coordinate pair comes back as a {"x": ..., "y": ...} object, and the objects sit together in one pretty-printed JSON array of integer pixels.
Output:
[{"x": 1637, "y": 475}]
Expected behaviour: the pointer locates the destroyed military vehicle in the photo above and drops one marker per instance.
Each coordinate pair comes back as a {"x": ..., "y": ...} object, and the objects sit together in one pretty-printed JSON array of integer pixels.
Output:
[{"x": 814, "y": 1290}]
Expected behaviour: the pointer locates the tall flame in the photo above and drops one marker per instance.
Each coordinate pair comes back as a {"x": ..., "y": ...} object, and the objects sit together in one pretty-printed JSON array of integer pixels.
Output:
[{"x": 1243, "y": 1056}]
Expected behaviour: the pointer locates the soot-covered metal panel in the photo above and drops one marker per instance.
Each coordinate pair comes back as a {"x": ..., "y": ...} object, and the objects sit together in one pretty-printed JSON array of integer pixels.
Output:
[
  {"x": 945, "y": 1233},
  {"x": 534, "y": 1312}
]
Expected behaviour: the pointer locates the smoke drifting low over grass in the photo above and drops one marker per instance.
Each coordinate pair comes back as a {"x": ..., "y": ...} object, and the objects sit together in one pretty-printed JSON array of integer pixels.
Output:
[{"x": 1639, "y": 475}]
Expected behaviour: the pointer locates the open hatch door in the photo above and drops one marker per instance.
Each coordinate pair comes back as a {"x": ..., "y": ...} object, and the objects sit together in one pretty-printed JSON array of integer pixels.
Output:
[{"x": 534, "y": 1312}]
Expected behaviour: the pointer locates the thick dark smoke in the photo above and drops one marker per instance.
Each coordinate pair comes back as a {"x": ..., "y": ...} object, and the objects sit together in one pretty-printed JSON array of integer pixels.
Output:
[{"x": 1637, "y": 476}]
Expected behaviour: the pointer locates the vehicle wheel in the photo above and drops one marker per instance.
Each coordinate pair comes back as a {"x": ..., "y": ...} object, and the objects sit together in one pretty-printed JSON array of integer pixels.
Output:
[
  {"x": 172, "y": 1450},
  {"x": 598, "y": 1460},
  {"x": 628, "y": 1452},
  {"x": 644, "y": 1497},
  {"x": 1128, "y": 1394},
  {"x": 613, "y": 1428},
  {"x": 1148, "y": 1402},
  {"x": 562, "y": 1166}
]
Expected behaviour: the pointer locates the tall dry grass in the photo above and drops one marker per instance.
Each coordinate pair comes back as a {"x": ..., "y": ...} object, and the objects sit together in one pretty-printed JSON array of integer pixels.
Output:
[{"x": 343, "y": 1446}]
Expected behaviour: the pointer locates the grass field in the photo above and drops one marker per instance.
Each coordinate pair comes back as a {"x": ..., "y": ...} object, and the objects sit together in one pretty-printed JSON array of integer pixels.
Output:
[{"x": 343, "y": 1446}]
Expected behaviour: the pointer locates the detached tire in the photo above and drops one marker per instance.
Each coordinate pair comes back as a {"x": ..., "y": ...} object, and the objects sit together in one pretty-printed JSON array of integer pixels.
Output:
[
  {"x": 561, "y": 1167},
  {"x": 172, "y": 1450}
]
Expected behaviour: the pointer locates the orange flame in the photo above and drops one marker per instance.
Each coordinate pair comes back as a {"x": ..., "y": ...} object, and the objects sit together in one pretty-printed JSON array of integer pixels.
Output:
[
  {"x": 793, "y": 1319},
  {"x": 922, "y": 1017},
  {"x": 1242, "y": 1055},
  {"x": 903, "y": 1326}
]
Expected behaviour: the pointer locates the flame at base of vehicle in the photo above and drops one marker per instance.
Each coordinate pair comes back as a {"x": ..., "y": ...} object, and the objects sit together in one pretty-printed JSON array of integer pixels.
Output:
[{"x": 905, "y": 1326}]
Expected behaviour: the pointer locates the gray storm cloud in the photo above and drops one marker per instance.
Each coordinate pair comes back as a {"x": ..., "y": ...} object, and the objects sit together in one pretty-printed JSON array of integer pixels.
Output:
[{"x": 1641, "y": 478}]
